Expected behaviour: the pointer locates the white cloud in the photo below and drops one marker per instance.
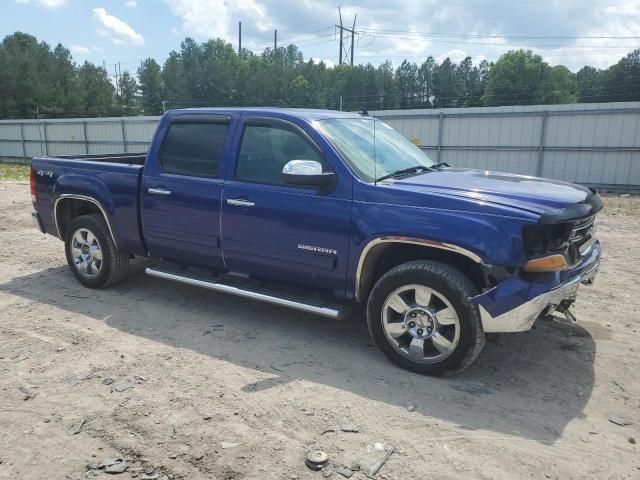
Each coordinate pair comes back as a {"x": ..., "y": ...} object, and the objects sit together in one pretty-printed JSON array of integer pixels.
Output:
[
  {"x": 84, "y": 51},
  {"x": 80, "y": 50},
  {"x": 456, "y": 55},
  {"x": 327, "y": 62},
  {"x": 47, "y": 3},
  {"x": 115, "y": 29},
  {"x": 131, "y": 4},
  {"x": 213, "y": 18}
]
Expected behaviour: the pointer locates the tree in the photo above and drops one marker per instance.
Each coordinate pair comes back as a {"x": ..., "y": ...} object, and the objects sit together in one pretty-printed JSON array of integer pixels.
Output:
[
  {"x": 36, "y": 80},
  {"x": 561, "y": 86},
  {"x": 621, "y": 82},
  {"x": 129, "y": 94},
  {"x": 151, "y": 87},
  {"x": 518, "y": 78},
  {"x": 408, "y": 84},
  {"x": 425, "y": 81},
  {"x": 448, "y": 87},
  {"x": 97, "y": 89}
]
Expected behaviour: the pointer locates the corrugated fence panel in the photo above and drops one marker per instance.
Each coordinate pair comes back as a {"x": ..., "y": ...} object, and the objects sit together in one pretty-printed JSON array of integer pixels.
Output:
[
  {"x": 522, "y": 162},
  {"x": 596, "y": 144}
]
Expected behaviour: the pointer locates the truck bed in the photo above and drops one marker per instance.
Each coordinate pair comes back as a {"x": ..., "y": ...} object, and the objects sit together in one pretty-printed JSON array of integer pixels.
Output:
[{"x": 110, "y": 180}]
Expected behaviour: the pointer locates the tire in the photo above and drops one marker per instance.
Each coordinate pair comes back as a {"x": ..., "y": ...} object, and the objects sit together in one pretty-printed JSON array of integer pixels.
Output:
[
  {"x": 91, "y": 253},
  {"x": 414, "y": 311}
]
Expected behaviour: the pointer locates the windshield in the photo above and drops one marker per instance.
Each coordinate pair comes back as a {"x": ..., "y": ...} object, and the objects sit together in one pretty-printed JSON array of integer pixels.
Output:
[{"x": 354, "y": 139}]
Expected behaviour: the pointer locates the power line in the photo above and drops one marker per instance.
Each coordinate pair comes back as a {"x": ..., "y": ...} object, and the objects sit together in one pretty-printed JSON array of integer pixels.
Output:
[{"x": 494, "y": 36}]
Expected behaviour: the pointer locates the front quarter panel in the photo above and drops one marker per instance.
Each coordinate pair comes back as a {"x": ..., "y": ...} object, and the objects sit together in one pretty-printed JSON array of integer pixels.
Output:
[{"x": 490, "y": 237}]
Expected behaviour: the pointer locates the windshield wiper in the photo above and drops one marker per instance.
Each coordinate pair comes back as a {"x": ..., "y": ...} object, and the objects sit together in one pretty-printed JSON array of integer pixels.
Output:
[
  {"x": 438, "y": 166},
  {"x": 404, "y": 171}
]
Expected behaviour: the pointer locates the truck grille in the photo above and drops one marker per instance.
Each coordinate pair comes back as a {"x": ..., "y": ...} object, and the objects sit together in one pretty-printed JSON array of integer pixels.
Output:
[{"x": 583, "y": 235}]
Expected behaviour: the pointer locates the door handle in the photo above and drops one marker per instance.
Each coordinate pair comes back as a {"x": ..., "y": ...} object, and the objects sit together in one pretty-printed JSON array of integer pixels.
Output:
[
  {"x": 159, "y": 191},
  {"x": 240, "y": 202}
]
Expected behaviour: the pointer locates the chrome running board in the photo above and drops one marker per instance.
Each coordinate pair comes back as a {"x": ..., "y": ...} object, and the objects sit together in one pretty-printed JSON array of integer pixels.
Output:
[{"x": 261, "y": 295}]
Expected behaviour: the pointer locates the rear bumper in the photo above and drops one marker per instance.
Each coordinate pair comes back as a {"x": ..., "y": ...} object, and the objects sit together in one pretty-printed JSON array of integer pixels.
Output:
[
  {"x": 37, "y": 221},
  {"x": 514, "y": 305}
]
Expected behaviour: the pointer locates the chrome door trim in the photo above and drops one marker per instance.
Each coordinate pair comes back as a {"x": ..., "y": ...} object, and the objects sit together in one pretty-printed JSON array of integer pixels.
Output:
[
  {"x": 240, "y": 202},
  {"x": 159, "y": 191},
  {"x": 408, "y": 240},
  {"x": 86, "y": 199}
]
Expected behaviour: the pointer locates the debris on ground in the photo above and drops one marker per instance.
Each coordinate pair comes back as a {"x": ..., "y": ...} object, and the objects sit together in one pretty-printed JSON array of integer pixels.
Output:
[
  {"x": 228, "y": 444},
  {"x": 349, "y": 428},
  {"x": 316, "y": 459},
  {"x": 375, "y": 468},
  {"x": 379, "y": 447},
  {"x": 344, "y": 471},
  {"x": 622, "y": 421},
  {"x": 108, "y": 381},
  {"x": 410, "y": 406},
  {"x": 112, "y": 466},
  {"x": 119, "y": 466},
  {"x": 78, "y": 429},
  {"x": 28, "y": 394}
]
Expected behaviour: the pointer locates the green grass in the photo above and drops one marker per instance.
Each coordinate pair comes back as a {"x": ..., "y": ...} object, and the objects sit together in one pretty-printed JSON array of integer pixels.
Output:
[{"x": 13, "y": 171}]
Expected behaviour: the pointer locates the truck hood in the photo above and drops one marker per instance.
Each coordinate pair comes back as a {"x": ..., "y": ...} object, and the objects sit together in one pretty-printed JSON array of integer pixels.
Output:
[{"x": 533, "y": 194}]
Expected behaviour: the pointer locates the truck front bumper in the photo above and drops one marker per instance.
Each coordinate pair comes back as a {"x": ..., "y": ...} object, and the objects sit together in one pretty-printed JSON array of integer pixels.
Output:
[{"x": 515, "y": 304}]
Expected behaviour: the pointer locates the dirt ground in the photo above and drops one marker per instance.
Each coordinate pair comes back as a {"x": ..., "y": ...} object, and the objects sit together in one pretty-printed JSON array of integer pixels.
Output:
[{"x": 185, "y": 383}]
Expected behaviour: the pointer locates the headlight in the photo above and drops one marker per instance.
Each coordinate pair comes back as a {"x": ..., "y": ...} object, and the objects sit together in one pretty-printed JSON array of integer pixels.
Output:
[{"x": 546, "y": 246}]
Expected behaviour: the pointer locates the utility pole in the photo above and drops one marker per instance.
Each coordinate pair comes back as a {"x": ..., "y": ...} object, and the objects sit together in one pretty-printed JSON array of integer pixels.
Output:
[
  {"x": 346, "y": 51},
  {"x": 115, "y": 69},
  {"x": 353, "y": 33},
  {"x": 275, "y": 41},
  {"x": 239, "y": 38}
]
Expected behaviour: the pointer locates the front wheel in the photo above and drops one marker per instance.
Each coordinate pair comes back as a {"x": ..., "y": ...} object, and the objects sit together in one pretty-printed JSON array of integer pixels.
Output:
[
  {"x": 91, "y": 253},
  {"x": 419, "y": 315}
]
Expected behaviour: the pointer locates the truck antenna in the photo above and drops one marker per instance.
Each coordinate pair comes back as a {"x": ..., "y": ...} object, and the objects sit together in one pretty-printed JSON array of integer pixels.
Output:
[{"x": 375, "y": 161}]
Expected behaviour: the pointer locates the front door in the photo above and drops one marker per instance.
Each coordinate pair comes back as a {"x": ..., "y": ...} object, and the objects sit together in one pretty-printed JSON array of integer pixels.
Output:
[
  {"x": 180, "y": 195},
  {"x": 276, "y": 231}
]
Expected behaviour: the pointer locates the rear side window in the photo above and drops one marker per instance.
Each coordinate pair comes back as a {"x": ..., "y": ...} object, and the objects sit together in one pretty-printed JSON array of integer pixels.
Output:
[{"x": 193, "y": 148}]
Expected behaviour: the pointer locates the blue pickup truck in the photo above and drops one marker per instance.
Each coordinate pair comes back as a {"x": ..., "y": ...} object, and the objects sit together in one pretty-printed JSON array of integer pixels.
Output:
[{"x": 320, "y": 211}]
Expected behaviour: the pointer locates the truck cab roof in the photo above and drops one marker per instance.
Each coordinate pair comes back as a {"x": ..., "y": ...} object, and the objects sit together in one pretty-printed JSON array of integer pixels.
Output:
[{"x": 308, "y": 114}]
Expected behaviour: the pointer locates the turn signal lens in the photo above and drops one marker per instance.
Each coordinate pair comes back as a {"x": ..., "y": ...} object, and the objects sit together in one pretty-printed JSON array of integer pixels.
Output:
[{"x": 551, "y": 263}]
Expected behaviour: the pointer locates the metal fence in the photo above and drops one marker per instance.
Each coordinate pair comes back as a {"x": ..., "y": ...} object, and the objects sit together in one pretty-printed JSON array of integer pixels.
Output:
[
  {"x": 31, "y": 138},
  {"x": 592, "y": 144}
]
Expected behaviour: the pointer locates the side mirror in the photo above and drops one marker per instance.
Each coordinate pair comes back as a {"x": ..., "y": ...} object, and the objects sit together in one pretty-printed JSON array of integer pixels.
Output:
[{"x": 306, "y": 173}]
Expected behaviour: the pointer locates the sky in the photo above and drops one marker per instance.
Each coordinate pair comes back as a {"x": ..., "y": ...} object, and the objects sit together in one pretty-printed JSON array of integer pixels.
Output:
[{"x": 568, "y": 32}]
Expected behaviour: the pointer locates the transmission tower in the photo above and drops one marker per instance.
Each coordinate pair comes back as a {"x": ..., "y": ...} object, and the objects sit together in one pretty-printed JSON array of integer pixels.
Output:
[{"x": 346, "y": 48}]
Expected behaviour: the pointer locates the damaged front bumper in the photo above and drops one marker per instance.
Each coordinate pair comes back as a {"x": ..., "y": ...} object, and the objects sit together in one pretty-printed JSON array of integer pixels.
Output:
[{"x": 515, "y": 304}]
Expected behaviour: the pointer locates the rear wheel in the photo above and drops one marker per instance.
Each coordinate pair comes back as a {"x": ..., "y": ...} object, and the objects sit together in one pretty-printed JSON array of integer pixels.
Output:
[
  {"x": 420, "y": 317},
  {"x": 91, "y": 253}
]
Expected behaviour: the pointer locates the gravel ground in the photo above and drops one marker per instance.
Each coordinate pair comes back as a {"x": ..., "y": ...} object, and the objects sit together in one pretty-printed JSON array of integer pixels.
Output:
[{"x": 186, "y": 383}]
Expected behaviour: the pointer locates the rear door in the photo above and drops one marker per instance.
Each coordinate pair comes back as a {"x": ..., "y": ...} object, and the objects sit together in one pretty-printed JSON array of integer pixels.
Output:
[
  {"x": 181, "y": 191},
  {"x": 279, "y": 232}
]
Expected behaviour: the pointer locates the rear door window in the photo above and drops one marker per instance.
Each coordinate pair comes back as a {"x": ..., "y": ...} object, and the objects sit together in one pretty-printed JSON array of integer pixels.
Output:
[{"x": 193, "y": 148}]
